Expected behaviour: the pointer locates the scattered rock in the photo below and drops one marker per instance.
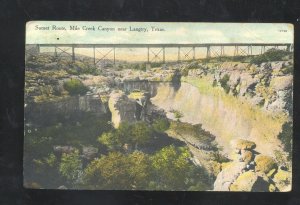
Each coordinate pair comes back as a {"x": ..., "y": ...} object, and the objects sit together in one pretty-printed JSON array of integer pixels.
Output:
[
  {"x": 89, "y": 152},
  {"x": 63, "y": 149}
]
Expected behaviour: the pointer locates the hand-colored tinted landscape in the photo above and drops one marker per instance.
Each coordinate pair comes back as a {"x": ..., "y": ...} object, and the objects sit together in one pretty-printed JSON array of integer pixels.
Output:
[{"x": 158, "y": 106}]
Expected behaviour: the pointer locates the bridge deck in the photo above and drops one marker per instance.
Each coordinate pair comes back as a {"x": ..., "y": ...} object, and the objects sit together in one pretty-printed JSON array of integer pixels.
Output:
[{"x": 212, "y": 49}]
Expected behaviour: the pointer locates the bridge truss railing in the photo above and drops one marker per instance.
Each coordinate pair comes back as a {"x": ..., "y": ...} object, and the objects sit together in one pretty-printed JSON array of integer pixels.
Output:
[{"x": 212, "y": 50}]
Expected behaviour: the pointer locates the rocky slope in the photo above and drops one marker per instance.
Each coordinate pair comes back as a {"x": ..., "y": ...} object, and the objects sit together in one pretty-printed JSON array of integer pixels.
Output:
[{"x": 251, "y": 171}]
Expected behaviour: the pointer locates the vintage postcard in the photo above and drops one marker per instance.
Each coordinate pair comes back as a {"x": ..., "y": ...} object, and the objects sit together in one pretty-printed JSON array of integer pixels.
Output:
[{"x": 158, "y": 106}]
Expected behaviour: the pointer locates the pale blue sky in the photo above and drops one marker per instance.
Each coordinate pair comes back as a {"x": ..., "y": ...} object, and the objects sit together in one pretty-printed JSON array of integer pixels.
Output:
[{"x": 173, "y": 33}]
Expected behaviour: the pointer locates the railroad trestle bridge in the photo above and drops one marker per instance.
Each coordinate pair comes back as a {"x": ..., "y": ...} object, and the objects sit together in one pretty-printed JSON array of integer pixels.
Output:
[{"x": 157, "y": 52}]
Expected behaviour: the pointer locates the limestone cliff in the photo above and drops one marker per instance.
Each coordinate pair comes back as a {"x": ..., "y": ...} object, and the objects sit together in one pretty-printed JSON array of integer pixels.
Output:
[
  {"x": 268, "y": 85},
  {"x": 234, "y": 100}
]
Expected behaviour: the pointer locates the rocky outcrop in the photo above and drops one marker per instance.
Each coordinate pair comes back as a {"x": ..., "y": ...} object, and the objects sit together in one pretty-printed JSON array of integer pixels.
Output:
[
  {"x": 132, "y": 107},
  {"x": 268, "y": 85},
  {"x": 251, "y": 171},
  {"x": 36, "y": 112},
  {"x": 122, "y": 108}
]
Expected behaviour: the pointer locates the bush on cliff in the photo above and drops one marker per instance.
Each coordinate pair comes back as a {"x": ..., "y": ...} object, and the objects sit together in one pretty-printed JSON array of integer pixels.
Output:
[
  {"x": 161, "y": 125},
  {"x": 223, "y": 82},
  {"x": 75, "y": 87},
  {"x": 270, "y": 55},
  {"x": 80, "y": 67},
  {"x": 286, "y": 136}
]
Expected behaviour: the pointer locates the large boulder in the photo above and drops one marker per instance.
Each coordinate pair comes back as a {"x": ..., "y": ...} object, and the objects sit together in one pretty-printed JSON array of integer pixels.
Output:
[
  {"x": 228, "y": 175},
  {"x": 283, "y": 180},
  {"x": 251, "y": 181},
  {"x": 246, "y": 156},
  {"x": 264, "y": 164},
  {"x": 244, "y": 182},
  {"x": 242, "y": 144}
]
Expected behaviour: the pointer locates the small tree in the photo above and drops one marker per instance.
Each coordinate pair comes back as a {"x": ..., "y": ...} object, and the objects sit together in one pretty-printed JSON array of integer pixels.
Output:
[
  {"x": 141, "y": 134},
  {"x": 71, "y": 166},
  {"x": 170, "y": 167},
  {"x": 118, "y": 171},
  {"x": 111, "y": 140},
  {"x": 161, "y": 125}
]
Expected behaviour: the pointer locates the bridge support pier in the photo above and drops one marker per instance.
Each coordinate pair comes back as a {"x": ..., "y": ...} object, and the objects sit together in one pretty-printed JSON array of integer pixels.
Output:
[
  {"x": 208, "y": 53},
  {"x": 193, "y": 53},
  {"x": 73, "y": 53},
  {"x": 250, "y": 50},
  {"x": 38, "y": 48},
  {"x": 222, "y": 51},
  {"x": 148, "y": 55},
  {"x": 94, "y": 53},
  {"x": 236, "y": 50},
  {"x": 114, "y": 55},
  {"x": 164, "y": 55},
  {"x": 55, "y": 51}
]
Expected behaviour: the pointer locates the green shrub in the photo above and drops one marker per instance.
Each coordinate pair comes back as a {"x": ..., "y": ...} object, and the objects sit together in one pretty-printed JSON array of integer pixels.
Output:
[
  {"x": 269, "y": 55},
  {"x": 161, "y": 125},
  {"x": 70, "y": 166},
  {"x": 139, "y": 66},
  {"x": 215, "y": 83},
  {"x": 288, "y": 70},
  {"x": 156, "y": 64},
  {"x": 286, "y": 136},
  {"x": 223, "y": 82},
  {"x": 177, "y": 114},
  {"x": 75, "y": 87},
  {"x": 185, "y": 72}
]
